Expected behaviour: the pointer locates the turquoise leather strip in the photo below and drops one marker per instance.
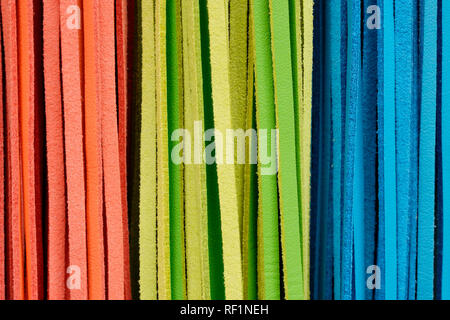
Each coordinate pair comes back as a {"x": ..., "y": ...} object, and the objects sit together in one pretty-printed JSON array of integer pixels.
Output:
[
  {"x": 427, "y": 152},
  {"x": 390, "y": 197},
  {"x": 446, "y": 148}
]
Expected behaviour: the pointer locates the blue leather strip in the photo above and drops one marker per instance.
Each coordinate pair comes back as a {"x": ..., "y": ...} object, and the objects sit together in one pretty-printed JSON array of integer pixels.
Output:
[{"x": 427, "y": 152}]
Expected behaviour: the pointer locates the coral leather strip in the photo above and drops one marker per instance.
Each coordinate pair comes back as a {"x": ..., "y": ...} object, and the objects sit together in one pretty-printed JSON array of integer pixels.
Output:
[
  {"x": 29, "y": 106},
  {"x": 268, "y": 235},
  {"x": 15, "y": 243},
  {"x": 427, "y": 152},
  {"x": 163, "y": 216},
  {"x": 124, "y": 56},
  {"x": 93, "y": 57},
  {"x": 56, "y": 238},
  {"x": 147, "y": 191},
  {"x": 284, "y": 106},
  {"x": 123, "y": 89},
  {"x": 175, "y": 121},
  {"x": 221, "y": 90},
  {"x": 111, "y": 158},
  {"x": 2, "y": 188},
  {"x": 73, "y": 82}
]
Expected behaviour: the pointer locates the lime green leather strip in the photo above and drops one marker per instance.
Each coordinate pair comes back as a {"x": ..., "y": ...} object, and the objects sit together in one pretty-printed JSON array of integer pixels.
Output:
[
  {"x": 287, "y": 177},
  {"x": 307, "y": 12},
  {"x": 296, "y": 27},
  {"x": 268, "y": 237},
  {"x": 175, "y": 121},
  {"x": 249, "y": 237}
]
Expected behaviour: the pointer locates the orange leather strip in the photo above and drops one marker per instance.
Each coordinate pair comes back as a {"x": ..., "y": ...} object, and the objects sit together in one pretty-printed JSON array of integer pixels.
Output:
[
  {"x": 2, "y": 186},
  {"x": 124, "y": 10},
  {"x": 93, "y": 147},
  {"x": 72, "y": 76},
  {"x": 56, "y": 180},
  {"x": 15, "y": 265},
  {"x": 110, "y": 146}
]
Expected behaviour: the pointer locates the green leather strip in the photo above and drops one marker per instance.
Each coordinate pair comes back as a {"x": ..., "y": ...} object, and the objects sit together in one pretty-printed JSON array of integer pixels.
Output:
[
  {"x": 268, "y": 236},
  {"x": 287, "y": 177},
  {"x": 175, "y": 121}
]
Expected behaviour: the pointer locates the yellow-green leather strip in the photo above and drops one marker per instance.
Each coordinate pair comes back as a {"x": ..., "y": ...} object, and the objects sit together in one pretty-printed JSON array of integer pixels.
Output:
[
  {"x": 196, "y": 223},
  {"x": 238, "y": 16},
  {"x": 268, "y": 235},
  {"x": 220, "y": 75},
  {"x": 287, "y": 176},
  {"x": 163, "y": 214},
  {"x": 308, "y": 23},
  {"x": 147, "y": 191}
]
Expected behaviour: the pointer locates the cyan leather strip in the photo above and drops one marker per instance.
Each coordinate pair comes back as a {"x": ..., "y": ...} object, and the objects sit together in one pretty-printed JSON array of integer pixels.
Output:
[
  {"x": 349, "y": 156},
  {"x": 354, "y": 137},
  {"x": 406, "y": 126},
  {"x": 369, "y": 112},
  {"x": 380, "y": 253},
  {"x": 445, "y": 292},
  {"x": 427, "y": 151},
  {"x": 389, "y": 106},
  {"x": 335, "y": 10}
]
